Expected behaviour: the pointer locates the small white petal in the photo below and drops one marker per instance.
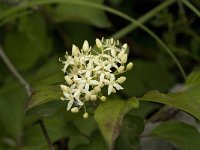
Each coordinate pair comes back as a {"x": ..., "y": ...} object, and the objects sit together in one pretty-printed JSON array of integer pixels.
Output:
[
  {"x": 113, "y": 52},
  {"x": 124, "y": 46},
  {"x": 121, "y": 54},
  {"x": 124, "y": 58},
  {"x": 87, "y": 87},
  {"x": 69, "y": 105},
  {"x": 121, "y": 69},
  {"x": 80, "y": 103},
  {"x": 110, "y": 87},
  {"x": 68, "y": 80},
  {"x": 94, "y": 82},
  {"x": 117, "y": 86},
  {"x": 77, "y": 93}
]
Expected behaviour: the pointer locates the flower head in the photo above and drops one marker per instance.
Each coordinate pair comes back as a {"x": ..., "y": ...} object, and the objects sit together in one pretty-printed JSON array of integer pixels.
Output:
[{"x": 88, "y": 70}]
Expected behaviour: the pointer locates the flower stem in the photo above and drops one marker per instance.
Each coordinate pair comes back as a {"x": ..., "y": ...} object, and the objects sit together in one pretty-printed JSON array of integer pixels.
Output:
[
  {"x": 42, "y": 126},
  {"x": 192, "y": 7},
  {"x": 26, "y": 86},
  {"x": 102, "y": 7},
  {"x": 121, "y": 33},
  {"x": 15, "y": 73}
]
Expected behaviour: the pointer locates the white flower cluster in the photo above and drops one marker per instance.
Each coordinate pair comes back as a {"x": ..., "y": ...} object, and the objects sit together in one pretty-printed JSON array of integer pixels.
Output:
[{"x": 88, "y": 70}]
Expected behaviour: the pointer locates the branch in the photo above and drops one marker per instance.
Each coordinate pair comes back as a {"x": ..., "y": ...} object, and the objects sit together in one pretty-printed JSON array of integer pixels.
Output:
[
  {"x": 27, "y": 87},
  {"x": 16, "y": 74},
  {"x": 46, "y": 134}
]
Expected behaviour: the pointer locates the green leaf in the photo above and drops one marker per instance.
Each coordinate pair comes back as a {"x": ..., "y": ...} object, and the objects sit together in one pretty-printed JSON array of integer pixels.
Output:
[
  {"x": 146, "y": 76},
  {"x": 185, "y": 136},
  {"x": 44, "y": 94},
  {"x": 187, "y": 100},
  {"x": 132, "y": 127},
  {"x": 76, "y": 13},
  {"x": 12, "y": 104},
  {"x": 57, "y": 127},
  {"x": 96, "y": 143},
  {"x": 28, "y": 43},
  {"x": 109, "y": 116}
]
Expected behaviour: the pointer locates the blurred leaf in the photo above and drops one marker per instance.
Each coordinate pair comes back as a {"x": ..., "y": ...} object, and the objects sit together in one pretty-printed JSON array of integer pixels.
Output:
[
  {"x": 187, "y": 100},
  {"x": 132, "y": 126},
  {"x": 77, "y": 140},
  {"x": 12, "y": 104},
  {"x": 145, "y": 109},
  {"x": 193, "y": 78},
  {"x": 79, "y": 13},
  {"x": 109, "y": 116},
  {"x": 185, "y": 136},
  {"x": 78, "y": 32},
  {"x": 146, "y": 76},
  {"x": 29, "y": 43},
  {"x": 115, "y": 2},
  {"x": 48, "y": 73},
  {"x": 96, "y": 143},
  {"x": 57, "y": 128},
  {"x": 46, "y": 110},
  {"x": 86, "y": 126},
  {"x": 43, "y": 94}
]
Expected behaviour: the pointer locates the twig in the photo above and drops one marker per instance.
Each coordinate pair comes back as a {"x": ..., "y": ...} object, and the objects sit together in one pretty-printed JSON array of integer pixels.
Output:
[
  {"x": 46, "y": 134},
  {"x": 14, "y": 71},
  {"x": 27, "y": 87},
  {"x": 158, "y": 114}
]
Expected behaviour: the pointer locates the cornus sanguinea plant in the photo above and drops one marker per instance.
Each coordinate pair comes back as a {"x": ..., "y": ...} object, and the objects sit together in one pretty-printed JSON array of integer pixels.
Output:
[{"x": 88, "y": 70}]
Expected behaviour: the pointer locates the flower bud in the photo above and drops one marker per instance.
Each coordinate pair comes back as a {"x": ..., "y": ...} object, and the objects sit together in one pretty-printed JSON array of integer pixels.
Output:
[
  {"x": 121, "y": 69},
  {"x": 88, "y": 96},
  {"x": 121, "y": 54},
  {"x": 64, "y": 88},
  {"x": 124, "y": 59},
  {"x": 97, "y": 89},
  {"x": 111, "y": 41},
  {"x": 75, "y": 50},
  {"x": 85, "y": 115},
  {"x": 85, "y": 46},
  {"x": 75, "y": 110},
  {"x": 121, "y": 80},
  {"x": 129, "y": 66},
  {"x": 103, "y": 98},
  {"x": 98, "y": 43},
  {"x": 68, "y": 80},
  {"x": 93, "y": 97},
  {"x": 124, "y": 46},
  {"x": 113, "y": 52}
]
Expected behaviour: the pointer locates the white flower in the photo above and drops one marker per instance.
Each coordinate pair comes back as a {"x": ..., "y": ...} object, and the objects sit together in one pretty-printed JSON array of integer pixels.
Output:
[
  {"x": 87, "y": 71},
  {"x": 113, "y": 84}
]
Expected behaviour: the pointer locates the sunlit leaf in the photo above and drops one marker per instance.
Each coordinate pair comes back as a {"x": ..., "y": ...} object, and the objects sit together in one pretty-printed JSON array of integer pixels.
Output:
[{"x": 109, "y": 116}]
